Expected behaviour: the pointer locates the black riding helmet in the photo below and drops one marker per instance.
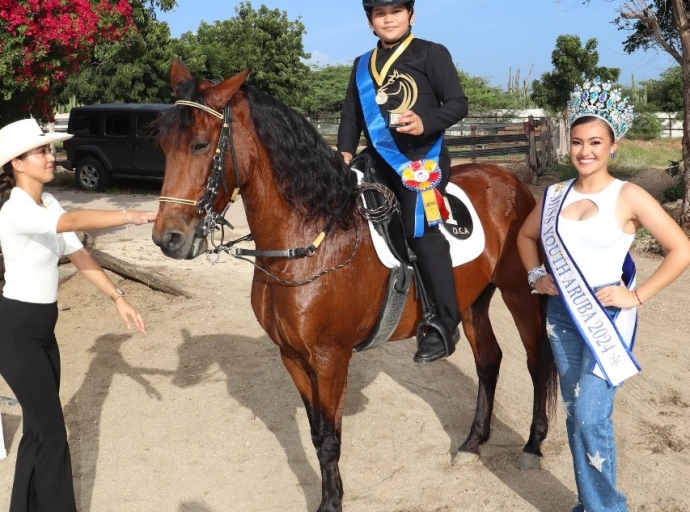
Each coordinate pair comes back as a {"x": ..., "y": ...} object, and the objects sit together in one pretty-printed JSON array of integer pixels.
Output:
[{"x": 370, "y": 4}]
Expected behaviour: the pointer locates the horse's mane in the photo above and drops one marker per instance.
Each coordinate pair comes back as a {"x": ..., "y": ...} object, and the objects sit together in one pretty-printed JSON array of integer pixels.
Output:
[{"x": 311, "y": 176}]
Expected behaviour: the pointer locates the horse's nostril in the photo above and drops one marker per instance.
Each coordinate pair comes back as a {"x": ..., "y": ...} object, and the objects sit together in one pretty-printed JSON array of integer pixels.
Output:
[{"x": 173, "y": 240}]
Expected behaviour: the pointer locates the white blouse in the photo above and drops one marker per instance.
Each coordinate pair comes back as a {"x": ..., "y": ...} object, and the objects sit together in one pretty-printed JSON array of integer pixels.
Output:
[{"x": 32, "y": 247}]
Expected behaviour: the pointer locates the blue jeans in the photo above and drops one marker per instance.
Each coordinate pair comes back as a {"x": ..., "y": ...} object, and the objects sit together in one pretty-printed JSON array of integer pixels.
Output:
[{"x": 588, "y": 404}]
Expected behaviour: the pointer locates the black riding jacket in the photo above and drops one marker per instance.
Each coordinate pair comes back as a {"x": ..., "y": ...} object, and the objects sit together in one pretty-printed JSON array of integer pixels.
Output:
[{"x": 440, "y": 103}]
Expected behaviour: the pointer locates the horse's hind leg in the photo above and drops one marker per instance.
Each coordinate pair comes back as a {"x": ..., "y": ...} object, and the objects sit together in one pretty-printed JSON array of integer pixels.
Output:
[
  {"x": 322, "y": 387},
  {"x": 487, "y": 359}
]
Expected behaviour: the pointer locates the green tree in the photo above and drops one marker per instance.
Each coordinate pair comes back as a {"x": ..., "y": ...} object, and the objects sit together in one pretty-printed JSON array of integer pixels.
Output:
[
  {"x": 262, "y": 39},
  {"x": 662, "y": 95},
  {"x": 325, "y": 93},
  {"x": 572, "y": 64},
  {"x": 485, "y": 98},
  {"x": 664, "y": 24},
  {"x": 132, "y": 69},
  {"x": 670, "y": 91}
]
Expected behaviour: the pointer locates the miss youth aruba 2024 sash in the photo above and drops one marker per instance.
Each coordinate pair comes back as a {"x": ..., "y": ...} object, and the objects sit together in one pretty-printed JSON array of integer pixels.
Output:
[
  {"x": 609, "y": 340},
  {"x": 420, "y": 176}
]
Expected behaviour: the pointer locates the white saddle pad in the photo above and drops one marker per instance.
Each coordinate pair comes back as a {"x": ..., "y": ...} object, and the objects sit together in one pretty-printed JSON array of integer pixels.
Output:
[{"x": 461, "y": 251}]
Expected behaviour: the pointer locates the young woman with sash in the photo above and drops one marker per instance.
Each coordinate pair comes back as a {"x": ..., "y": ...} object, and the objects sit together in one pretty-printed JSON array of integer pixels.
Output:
[
  {"x": 585, "y": 227},
  {"x": 403, "y": 94}
]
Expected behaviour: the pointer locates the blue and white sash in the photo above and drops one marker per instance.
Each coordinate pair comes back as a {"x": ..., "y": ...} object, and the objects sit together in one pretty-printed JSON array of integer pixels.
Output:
[
  {"x": 609, "y": 340},
  {"x": 384, "y": 144}
]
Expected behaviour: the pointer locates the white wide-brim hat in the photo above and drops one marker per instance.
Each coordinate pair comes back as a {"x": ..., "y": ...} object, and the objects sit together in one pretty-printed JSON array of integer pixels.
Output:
[{"x": 21, "y": 136}]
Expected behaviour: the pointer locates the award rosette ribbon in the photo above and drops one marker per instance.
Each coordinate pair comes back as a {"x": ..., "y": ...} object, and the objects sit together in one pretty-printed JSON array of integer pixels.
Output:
[{"x": 421, "y": 176}]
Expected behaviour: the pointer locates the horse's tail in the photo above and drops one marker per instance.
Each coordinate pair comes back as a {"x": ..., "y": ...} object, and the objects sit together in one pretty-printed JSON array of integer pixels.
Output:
[{"x": 548, "y": 376}]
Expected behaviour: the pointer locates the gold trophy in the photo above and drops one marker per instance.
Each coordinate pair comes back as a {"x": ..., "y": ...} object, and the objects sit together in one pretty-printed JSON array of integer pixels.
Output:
[{"x": 407, "y": 88}]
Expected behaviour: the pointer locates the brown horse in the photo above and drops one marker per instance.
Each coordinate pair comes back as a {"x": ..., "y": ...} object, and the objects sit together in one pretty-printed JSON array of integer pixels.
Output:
[{"x": 320, "y": 302}]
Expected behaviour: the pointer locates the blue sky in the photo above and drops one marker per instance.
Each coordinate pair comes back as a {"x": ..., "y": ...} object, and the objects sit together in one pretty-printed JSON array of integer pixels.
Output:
[{"x": 485, "y": 37}]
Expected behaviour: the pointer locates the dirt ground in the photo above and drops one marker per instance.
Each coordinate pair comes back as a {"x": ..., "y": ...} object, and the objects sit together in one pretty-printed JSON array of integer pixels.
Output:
[{"x": 199, "y": 415}]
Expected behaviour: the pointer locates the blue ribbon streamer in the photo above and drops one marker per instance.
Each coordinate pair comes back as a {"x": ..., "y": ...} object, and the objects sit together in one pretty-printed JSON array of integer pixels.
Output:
[{"x": 382, "y": 139}]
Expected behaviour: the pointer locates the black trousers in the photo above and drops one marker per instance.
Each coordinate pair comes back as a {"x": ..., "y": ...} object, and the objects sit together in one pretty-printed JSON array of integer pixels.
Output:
[
  {"x": 30, "y": 364},
  {"x": 432, "y": 249}
]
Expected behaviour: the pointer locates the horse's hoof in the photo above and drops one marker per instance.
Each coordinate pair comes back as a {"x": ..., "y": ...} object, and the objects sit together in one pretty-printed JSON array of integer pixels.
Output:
[
  {"x": 528, "y": 461},
  {"x": 464, "y": 458}
]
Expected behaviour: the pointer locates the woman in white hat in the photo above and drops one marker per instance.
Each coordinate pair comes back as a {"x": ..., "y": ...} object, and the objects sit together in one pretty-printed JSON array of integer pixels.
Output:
[{"x": 34, "y": 233}]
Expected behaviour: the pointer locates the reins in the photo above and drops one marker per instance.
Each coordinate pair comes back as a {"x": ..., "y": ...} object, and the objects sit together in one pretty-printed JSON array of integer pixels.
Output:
[{"x": 213, "y": 220}]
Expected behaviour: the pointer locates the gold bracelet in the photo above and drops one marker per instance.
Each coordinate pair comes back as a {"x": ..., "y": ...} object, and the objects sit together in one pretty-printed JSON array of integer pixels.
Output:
[
  {"x": 124, "y": 217},
  {"x": 116, "y": 294}
]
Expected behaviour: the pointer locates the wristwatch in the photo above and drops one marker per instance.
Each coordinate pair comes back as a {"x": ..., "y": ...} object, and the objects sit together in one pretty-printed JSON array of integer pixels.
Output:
[{"x": 119, "y": 292}]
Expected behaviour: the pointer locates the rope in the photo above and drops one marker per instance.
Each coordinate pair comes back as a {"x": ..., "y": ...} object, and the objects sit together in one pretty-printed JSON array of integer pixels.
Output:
[{"x": 381, "y": 214}]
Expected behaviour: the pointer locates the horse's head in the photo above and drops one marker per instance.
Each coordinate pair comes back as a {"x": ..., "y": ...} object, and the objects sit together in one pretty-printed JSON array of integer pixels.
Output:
[{"x": 198, "y": 182}]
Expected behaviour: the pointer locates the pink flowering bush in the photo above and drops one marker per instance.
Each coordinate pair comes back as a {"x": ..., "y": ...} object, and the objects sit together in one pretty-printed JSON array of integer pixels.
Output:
[{"x": 42, "y": 42}]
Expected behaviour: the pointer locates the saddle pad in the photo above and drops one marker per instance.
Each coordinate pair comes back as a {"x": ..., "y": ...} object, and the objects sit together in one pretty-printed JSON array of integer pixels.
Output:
[{"x": 461, "y": 251}]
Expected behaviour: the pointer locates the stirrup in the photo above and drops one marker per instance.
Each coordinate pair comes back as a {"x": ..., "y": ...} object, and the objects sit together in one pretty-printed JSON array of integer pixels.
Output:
[{"x": 449, "y": 339}]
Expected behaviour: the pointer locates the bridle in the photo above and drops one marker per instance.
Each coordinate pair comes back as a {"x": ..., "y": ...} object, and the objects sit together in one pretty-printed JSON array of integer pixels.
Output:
[{"x": 213, "y": 220}]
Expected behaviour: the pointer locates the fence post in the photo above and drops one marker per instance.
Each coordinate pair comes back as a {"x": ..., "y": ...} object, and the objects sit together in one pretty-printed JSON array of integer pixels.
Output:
[
  {"x": 473, "y": 132},
  {"x": 548, "y": 159},
  {"x": 543, "y": 143},
  {"x": 560, "y": 138},
  {"x": 532, "y": 153}
]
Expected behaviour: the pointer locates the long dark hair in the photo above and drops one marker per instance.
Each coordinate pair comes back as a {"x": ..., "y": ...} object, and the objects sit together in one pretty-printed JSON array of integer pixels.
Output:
[
  {"x": 311, "y": 175},
  {"x": 7, "y": 182}
]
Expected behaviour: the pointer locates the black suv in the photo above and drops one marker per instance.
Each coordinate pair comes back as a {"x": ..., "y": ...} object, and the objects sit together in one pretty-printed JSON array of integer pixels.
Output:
[{"x": 113, "y": 140}]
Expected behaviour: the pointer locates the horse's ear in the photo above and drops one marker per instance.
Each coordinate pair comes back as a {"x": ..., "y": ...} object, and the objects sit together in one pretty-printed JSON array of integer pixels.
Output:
[
  {"x": 179, "y": 72},
  {"x": 220, "y": 95}
]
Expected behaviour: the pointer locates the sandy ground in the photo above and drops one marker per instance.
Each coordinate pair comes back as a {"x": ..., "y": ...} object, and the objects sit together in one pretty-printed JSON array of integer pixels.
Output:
[{"x": 199, "y": 414}]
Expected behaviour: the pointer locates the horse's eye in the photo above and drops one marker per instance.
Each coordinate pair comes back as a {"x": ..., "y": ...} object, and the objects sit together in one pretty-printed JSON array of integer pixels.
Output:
[{"x": 198, "y": 148}]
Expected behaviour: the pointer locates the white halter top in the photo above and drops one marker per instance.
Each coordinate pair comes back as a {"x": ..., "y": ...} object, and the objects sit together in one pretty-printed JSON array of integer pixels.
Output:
[{"x": 597, "y": 245}]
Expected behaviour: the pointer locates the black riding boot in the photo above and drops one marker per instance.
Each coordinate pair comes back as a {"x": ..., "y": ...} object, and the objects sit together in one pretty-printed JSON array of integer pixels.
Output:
[{"x": 436, "y": 268}]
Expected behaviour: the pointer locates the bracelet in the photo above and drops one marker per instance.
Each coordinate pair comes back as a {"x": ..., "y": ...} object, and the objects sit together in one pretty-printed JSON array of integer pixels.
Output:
[
  {"x": 124, "y": 216},
  {"x": 534, "y": 274},
  {"x": 116, "y": 294},
  {"x": 118, "y": 297},
  {"x": 637, "y": 296}
]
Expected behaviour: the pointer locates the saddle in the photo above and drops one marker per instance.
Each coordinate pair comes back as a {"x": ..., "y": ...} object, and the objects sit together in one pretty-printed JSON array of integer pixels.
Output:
[{"x": 379, "y": 205}]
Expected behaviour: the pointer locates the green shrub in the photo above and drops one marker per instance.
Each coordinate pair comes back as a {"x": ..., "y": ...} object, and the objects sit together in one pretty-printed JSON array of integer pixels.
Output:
[
  {"x": 646, "y": 126},
  {"x": 678, "y": 190}
]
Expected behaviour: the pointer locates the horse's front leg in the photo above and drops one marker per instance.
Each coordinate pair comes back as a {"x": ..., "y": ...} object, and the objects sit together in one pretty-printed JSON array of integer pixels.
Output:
[
  {"x": 487, "y": 360},
  {"x": 322, "y": 384},
  {"x": 542, "y": 369}
]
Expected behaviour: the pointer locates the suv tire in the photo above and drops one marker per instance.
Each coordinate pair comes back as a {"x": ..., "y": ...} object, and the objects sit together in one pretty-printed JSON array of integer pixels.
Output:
[{"x": 91, "y": 176}]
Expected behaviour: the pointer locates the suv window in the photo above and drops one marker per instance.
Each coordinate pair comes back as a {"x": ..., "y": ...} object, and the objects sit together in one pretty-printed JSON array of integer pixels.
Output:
[
  {"x": 117, "y": 125},
  {"x": 144, "y": 124},
  {"x": 84, "y": 123}
]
